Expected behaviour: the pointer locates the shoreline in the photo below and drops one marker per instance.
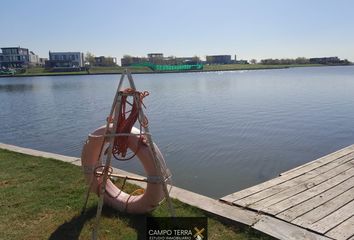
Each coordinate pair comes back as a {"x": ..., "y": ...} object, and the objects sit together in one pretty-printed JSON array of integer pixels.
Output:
[
  {"x": 166, "y": 72},
  {"x": 210, "y": 205}
]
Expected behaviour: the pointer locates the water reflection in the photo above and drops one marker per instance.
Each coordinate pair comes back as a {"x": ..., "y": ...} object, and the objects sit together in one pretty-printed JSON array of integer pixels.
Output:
[{"x": 16, "y": 87}]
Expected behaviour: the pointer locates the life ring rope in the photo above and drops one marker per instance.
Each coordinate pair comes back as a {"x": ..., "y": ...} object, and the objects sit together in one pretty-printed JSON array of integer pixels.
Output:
[
  {"x": 96, "y": 170},
  {"x": 126, "y": 121}
]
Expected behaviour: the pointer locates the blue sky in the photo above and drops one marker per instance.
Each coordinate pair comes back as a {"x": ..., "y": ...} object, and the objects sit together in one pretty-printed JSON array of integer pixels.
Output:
[{"x": 251, "y": 29}]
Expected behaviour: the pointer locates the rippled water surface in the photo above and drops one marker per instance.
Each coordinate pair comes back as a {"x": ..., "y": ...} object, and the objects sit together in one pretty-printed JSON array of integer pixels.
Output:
[{"x": 220, "y": 131}]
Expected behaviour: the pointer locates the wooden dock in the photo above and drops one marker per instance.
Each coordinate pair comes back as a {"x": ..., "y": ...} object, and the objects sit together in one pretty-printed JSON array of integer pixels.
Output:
[{"x": 317, "y": 197}]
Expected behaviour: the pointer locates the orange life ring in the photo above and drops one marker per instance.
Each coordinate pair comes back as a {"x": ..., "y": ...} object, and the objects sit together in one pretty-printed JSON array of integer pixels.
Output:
[{"x": 114, "y": 196}]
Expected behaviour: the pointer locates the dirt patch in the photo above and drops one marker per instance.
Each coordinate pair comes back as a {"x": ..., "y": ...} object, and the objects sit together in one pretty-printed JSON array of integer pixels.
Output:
[{"x": 4, "y": 183}]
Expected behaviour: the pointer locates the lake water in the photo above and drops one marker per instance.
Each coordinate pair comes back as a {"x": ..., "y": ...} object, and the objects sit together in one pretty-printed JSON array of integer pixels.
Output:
[{"x": 219, "y": 132}]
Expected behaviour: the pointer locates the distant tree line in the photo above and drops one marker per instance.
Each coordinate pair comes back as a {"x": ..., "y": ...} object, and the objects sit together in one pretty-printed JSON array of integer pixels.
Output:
[
  {"x": 128, "y": 60},
  {"x": 302, "y": 60},
  {"x": 299, "y": 60}
]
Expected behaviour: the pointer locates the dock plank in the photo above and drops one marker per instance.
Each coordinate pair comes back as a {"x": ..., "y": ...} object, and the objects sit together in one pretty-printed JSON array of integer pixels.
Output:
[
  {"x": 343, "y": 231},
  {"x": 285, "y": 231},
  {"x": 312, "y": 203},
  {"x": 299, "y": 198},
  {"x": 334, "y": 219},
  {"x": 287, "y": 189},
  {"x": 293, "y": 174},
  {"x": 325, "y": 209}
]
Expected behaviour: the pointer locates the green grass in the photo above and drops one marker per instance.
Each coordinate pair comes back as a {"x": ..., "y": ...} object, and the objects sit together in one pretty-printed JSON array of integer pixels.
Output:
[
  {"x": 117, "y": 69},
  {"x": 229, "y": 67},
  {"x": 96, "y": 70},
  {"x": 42, "y": 198},
  {"x": 35, "y": 71}
]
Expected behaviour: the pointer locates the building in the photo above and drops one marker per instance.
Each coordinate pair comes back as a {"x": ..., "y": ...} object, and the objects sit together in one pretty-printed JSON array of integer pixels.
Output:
[
  {"x": 105, "y": 61},
  {"x": 14, "y": 57},
  {"x": 188, "y": 60},
  {"x": 42, "y": 61},
  {"x": 155, "y": 55},
  {"x": 156, "y": 58},
  {"x": 241, "y": 61},
  {"x": 33, "y": 59},
  {"x": 65, "y": 60},
  {"x": 325, "y": 60},
  {"x": 129, "y": 60},
  {"x": 218, "y": 59}
]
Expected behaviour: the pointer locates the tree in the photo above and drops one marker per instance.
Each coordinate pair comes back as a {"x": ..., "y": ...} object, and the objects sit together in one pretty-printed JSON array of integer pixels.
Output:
[
  {"x": 302, "y": 60},
  {"x": 253, "y": 61},
  {"x": 89, "y": 58},
  {"x": 127, "y": 60},
  {"x": 196, "y": 59},
  {"x": 109, "y": 61}
]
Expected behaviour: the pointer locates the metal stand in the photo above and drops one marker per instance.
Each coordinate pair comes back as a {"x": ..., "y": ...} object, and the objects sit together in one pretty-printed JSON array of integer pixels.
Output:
[{"x": 105, "y": 173}]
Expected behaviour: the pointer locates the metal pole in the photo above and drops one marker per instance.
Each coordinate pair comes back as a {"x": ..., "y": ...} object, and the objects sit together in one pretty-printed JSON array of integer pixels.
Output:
[
  {"x": 153, "y": 151},
  {"x": 106, "y": 133},
  {"x": 115, "y": 109}
]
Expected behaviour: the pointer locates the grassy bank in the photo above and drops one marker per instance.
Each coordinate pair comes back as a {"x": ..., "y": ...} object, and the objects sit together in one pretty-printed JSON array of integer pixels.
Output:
[
  {"x": 117, "y": 70},
  {"x": 37, "y": 71},
  {"x": 108, "y": 70},
  {"x": 232, "y": 67},
  {"x": 41, "y": 199}
]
